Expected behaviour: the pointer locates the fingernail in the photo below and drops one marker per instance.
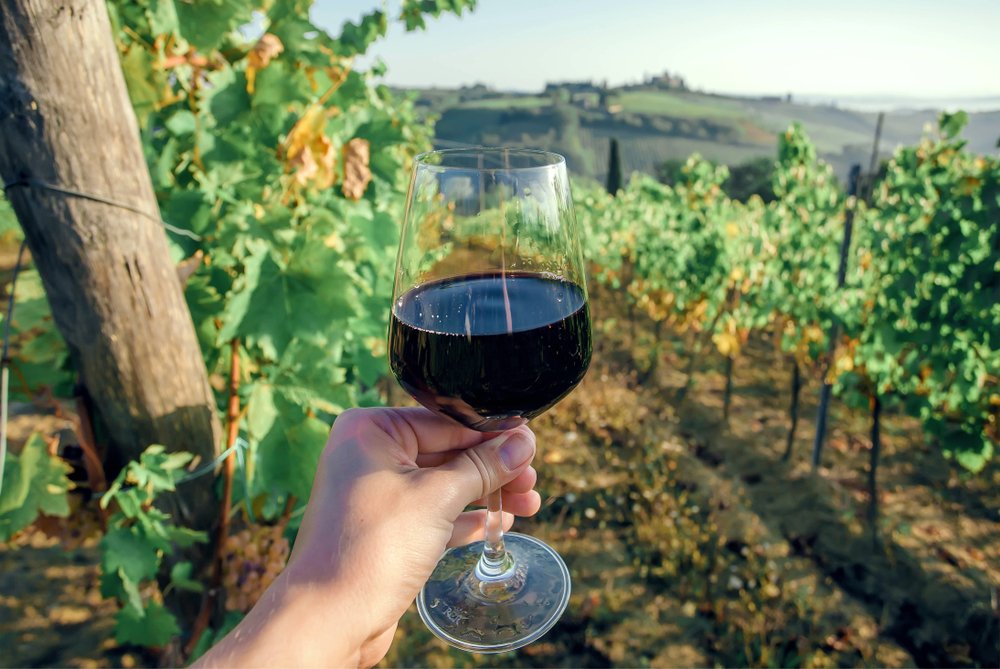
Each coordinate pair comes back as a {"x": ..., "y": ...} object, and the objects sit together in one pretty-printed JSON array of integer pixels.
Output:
[{"x": 515, "y": 451}]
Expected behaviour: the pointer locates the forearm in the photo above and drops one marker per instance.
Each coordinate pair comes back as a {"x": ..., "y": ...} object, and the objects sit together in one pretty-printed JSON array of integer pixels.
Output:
[{"x": 291, "y": 625}]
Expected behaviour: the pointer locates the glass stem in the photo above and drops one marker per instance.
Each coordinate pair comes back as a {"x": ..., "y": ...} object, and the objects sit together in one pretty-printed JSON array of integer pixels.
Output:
[{"x": 495, "y": 563}]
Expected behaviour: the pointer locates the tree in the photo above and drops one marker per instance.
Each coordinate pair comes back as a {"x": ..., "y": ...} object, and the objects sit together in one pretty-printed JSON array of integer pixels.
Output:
[
  {"x": 78, "y": 182},
  {"x": 288, "y": 170},
  {"x": 614, "y": 183}
]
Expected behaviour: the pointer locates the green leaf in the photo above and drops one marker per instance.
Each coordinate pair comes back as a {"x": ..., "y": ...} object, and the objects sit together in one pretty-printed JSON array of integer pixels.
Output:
[
  {"x": 184, "y": 537},
  {"x": 355, "y": 38},
  {"x": 289, "y": 452},
  {"x": 206, "y": 23},
  {"x": 278, "y": 85},
  {"x": 413, "y": 11},
  {"x": 952, "y": 124},
  {"x": 33, "y": 482},
  {"x": 133, "y": 599},
  {"x": 162, "y": 17},
  {"x": 153, "y": 627},
  {"x": 38, "y": 351},
  {"x": 272, "y": 305},
  {"x": 974, "y": 461},
  {"x": 261, "y": 412},
  {"x": 182, "y": 122},
  {"x": 312, "y": 377},
  {"x": 128, "y": 549},
  {"x": 187, "y": 209},
  {"x": 180, "y": 577},
  {"x": 380, "y": 231},
  {"x": 227, "y": 98},
  {"x": 142, "y": 81}
]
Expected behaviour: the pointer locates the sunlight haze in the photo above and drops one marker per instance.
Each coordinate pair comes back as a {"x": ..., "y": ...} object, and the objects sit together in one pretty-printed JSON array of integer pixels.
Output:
[{"x": 913, "y": 49}]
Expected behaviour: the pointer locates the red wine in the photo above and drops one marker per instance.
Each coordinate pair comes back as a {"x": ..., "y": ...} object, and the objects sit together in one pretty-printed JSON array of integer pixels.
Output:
[{"x": 491, "y": 350}]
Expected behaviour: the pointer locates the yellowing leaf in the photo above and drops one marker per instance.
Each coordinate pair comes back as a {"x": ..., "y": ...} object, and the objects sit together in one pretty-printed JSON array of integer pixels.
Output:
[
  {"x": 309, "y": 154},
  {"x": 357, "y": 174},
  {"x": 969, "y": 185},
  {"x": 843, "y": 363},
  {"x": 727, "y": 343},
  {"x": 266, "y": 49},
  {"x": 375, "y": 345},
  {"x": 813, "y": 334}
]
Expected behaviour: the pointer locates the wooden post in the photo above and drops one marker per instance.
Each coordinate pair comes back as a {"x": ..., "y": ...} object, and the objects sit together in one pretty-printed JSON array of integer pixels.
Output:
[
  {"x": 873, "y": 163},
  {"x": 793, "y": 411},
  {"x": 831, "y": 347},
  {"x": 873, "y": 456},
  {"x": 727, "y": 395},
  {"x": 68, "y": 140}
]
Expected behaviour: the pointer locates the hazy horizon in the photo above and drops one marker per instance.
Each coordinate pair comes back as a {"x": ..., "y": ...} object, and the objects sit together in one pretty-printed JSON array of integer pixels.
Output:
[{"x": 911, "y": 50}]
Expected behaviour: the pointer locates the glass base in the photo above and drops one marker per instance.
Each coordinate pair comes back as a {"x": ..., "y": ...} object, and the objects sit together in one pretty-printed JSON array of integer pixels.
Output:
[{"x": 493, "y": 615}]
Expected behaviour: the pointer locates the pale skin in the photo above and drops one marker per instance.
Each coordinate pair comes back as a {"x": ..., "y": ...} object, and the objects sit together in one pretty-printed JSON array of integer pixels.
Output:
[{"x": 389, "y": 497}]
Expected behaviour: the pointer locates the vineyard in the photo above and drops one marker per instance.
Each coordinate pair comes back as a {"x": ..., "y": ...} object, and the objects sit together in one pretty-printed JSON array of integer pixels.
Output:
[{"x": 784, "y": 453}]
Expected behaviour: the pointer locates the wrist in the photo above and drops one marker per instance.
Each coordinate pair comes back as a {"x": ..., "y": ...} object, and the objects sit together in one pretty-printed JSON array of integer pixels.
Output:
[{"x": 295, "y": 623}]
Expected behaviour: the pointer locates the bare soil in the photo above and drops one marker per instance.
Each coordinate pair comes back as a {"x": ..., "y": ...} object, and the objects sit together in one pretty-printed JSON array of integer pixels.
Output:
[{"x": 689, "y": 541}]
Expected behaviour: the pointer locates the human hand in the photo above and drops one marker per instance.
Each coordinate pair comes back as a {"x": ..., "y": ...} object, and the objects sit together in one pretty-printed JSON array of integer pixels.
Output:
[{"x": 388, "y": 499}]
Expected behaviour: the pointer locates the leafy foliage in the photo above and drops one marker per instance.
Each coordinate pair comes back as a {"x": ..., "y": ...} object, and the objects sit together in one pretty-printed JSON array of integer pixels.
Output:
[
  {"x": 138, "y": 537},
  {"x": 39, "y": 360},
  {"x": 933, "y": 295},
  {"x": 290, "y": 164},
  {"x": 805, "y": 223},
  {"x": 920, "y": 310},
  {"x": 34, "y": 482}
]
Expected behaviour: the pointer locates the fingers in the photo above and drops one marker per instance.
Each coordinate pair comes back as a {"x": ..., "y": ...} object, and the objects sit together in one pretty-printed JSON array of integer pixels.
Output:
[
  {"x": 470, "y": 526},
  {"x": 524, "y": 482},
  {"x": 520, "y": 504},
  {"x": 477, "y": 471},
  {"x": 416, "y": 429}
]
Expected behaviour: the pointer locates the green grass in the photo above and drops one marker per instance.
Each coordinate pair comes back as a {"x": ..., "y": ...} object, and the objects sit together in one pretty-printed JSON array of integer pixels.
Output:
[
  {"x": 679, "y": 105},
  {"x": 644, "y": 152},
  {"x": 525, "y": 102}
]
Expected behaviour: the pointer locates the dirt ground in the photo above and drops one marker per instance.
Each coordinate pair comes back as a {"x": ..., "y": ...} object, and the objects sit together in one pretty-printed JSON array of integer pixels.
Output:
[{"x": 689, "y": 541}]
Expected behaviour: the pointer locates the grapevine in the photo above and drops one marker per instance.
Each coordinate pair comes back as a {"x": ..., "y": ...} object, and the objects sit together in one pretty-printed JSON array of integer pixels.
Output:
[{"x": 287, "y": 163}]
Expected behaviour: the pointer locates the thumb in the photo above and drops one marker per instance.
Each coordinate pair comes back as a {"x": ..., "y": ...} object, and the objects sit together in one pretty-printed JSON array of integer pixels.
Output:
[{"x": 486, "y": 467}]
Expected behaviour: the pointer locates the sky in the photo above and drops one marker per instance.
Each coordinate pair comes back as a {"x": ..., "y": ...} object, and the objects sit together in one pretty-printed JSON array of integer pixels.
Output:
[{"x": 927, "y": 49}]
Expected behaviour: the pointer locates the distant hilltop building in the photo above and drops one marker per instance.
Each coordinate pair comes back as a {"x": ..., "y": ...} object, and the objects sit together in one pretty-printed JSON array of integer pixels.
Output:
[
  {"x": 667, "y": 81},
  {"x": 476, "y": 88},
  {"x": 597, "y": 95},
  {"x": 476, "y": 91}
]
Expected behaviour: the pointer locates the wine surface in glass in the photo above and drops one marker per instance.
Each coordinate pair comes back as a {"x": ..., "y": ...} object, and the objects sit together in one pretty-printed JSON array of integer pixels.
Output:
[{"x": 491, "y": 350}]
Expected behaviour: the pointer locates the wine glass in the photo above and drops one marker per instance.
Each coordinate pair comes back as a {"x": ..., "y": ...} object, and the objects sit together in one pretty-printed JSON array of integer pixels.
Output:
[{"x": 490, "y": 326}]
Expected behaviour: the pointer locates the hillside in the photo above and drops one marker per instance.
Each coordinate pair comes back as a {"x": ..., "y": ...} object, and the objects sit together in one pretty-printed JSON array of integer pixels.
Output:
[{"x": 653, "y": 125}]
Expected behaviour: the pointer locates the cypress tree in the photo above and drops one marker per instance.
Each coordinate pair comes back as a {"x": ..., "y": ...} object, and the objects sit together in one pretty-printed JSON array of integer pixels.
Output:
[{"x": 614, "y": 169}]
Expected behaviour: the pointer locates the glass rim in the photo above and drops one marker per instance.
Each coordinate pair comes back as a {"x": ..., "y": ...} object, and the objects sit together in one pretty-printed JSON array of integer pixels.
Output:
[{"x": 546, "y": 160}]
